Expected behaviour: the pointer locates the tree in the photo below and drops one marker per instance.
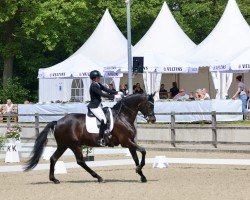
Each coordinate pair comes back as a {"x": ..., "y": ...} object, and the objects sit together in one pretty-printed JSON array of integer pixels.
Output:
[
  {"x": 40, "y": 33},
  {"x": 14, "y": 91},
  {"x": 50, "y": 22}
]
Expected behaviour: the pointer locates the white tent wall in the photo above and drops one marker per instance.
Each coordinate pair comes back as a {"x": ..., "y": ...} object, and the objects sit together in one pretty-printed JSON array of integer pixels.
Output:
[
  {"x": 222, "y": 83},
  {"x": 117, "y": 83},
  {"x": 86, "y": 84},
  {"x": 152, "y": 82},
  {"x": 54, "y": 89}
]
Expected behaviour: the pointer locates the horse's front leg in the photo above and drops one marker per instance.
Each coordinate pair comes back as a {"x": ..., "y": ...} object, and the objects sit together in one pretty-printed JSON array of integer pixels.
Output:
[{"x": 133, "y": 148}]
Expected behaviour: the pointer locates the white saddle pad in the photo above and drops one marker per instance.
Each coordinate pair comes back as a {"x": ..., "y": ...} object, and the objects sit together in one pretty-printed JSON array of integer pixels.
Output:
[{"x": 92, "y": 122}]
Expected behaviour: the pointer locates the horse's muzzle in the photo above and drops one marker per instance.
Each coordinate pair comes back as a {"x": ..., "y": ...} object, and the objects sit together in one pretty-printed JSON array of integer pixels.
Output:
[{"x": 151, "y": 119}]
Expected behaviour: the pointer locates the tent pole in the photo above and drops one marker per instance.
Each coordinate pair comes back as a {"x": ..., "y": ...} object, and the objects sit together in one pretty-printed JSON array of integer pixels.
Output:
[
  {"x": 221, "y": 85},
  {"x": 130, "y": 78}
]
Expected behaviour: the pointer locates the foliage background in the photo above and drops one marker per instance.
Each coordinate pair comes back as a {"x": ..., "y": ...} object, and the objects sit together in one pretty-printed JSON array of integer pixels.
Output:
[{"x": 40, "y": 33}]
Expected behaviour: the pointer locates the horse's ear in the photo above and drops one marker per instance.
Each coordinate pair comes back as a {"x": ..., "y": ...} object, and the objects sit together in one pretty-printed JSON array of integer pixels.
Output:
[{"x": 153, "y": 94}]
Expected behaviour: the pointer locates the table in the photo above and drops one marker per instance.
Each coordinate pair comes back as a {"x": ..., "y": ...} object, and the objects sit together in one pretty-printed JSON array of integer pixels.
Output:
[{"x": 160, "y": 107}]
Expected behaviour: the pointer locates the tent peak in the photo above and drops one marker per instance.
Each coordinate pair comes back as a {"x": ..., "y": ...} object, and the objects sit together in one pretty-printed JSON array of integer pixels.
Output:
[
  {"x": 165, "y": 36},
  {"x": 106, "y": 11}
]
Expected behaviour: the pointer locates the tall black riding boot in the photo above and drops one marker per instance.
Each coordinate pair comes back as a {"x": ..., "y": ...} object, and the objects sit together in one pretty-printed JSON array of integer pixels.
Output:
[{"x": 101, "y": 134}]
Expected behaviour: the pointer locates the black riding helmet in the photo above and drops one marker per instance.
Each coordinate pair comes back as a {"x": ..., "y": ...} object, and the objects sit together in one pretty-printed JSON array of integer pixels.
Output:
[{"x": 94, "y": 74}]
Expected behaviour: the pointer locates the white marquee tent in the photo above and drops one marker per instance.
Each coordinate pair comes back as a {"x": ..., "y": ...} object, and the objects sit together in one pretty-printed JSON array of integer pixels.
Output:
[
  {"x": 166, "y": 38},
  {"x": 103, "y": 48},
  {"x": 163, "y": 47},
  {"x": 230, "y": 37}
]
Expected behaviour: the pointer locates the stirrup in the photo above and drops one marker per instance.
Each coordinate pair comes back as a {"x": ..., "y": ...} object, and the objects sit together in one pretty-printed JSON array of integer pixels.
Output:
[{"x": 102, "y": 142}]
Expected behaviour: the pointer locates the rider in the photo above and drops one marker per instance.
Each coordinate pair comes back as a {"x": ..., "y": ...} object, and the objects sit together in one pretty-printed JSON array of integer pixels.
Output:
[{"x": 95, "y": 106}]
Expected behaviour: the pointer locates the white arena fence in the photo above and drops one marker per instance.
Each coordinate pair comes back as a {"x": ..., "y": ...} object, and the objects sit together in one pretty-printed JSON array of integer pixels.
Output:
[{"x": 174, "y": 125}]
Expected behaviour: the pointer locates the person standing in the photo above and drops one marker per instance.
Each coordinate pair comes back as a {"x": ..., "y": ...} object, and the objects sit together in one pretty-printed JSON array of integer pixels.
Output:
[
  {"x": 163, "y": 92},
  {"x": 138, "y": 89},
  {"x": 174, "y": 90},
  {"x": 241, "y": 93}
]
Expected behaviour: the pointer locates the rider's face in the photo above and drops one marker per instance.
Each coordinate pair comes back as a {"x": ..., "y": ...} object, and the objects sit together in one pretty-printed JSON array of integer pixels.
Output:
[{"x": 97, "y": 79}]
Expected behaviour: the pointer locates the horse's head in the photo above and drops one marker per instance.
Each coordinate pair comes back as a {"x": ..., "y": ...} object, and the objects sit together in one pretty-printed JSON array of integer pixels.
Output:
[{"x": 146, "y": 107}]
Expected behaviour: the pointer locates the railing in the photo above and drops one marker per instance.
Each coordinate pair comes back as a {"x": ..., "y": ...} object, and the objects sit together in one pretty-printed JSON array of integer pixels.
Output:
[
  {"x": 214, "y": 124},
  {"x": 173, "y": 127}
]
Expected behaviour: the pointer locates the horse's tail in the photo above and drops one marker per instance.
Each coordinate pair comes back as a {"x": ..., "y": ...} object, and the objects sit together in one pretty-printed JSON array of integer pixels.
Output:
[{"x": 39, "y": 146}]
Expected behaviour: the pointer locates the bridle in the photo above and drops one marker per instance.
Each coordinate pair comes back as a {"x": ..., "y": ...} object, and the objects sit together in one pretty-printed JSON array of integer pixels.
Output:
[{"x": 151, "y": 114}]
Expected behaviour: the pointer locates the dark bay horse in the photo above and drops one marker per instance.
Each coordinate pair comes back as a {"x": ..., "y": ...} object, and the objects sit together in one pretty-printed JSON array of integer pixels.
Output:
[{"x": 70, "y": 132}]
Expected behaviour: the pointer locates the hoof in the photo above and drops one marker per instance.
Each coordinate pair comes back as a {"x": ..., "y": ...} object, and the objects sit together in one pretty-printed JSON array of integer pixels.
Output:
[
  {"x": 100, "y": 180},
  {"x": 143, "y": 179},
  {"x": 55, "y": 181}
]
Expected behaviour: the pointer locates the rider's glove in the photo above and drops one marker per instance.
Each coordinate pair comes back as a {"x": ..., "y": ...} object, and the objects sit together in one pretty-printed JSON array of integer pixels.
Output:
[{"x": 118, "y": 96}]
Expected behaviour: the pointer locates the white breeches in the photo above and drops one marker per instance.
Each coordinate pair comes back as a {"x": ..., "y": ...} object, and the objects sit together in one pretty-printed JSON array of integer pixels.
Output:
[{"x": 98, "y": 112}]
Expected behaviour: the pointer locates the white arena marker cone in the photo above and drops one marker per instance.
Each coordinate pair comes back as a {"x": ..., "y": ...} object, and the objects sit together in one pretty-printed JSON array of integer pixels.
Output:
[
  {"x": 47, "y": 153},
  {"x": 60, "y": 168},
  {"x": 160, "y": 162},
  {"x": 11, "y": 152},
  {"x": 128, "y": 154}
]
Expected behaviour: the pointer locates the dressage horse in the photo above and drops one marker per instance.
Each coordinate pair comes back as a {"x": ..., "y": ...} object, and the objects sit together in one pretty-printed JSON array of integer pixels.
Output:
[{"x": 70, "y": 132}]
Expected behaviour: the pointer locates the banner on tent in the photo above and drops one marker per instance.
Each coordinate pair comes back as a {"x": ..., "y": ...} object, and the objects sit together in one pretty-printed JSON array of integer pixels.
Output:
[
  {"x": 82, "y": 74},
  {"x": 184, "y": 70},
  {"x": 171, "y": 70},
  {"x": 113, "y": 74},
  {"x": 219, "y": 68},
  {"x": 112, "y": 71},
  {"x": 243, "y": 67},
  {"x": 57, "y": 75}
]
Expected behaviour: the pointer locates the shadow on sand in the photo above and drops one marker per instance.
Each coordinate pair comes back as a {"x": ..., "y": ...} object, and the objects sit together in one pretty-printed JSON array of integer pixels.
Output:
[{"x": 94, "y": 181}]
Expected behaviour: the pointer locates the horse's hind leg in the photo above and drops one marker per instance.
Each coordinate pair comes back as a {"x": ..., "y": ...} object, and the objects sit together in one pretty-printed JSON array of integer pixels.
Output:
[
  {"x": 138, "y": 166},
  {"x": 53, "y": 159},
  {"x": 80, "y": 161}
]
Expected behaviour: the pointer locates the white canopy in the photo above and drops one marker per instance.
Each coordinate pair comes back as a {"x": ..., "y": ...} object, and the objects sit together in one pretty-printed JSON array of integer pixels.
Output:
[
  {"x": 242, "y": 61},
  {"x": 165, "y": 36},
  {"x": 103, "y": 48},
  {"x": 74, "y": 66},
  {"x": 230, "y": 37},
  {"x": 107, "y": 44},
  {"x": 164, "y": 46}
]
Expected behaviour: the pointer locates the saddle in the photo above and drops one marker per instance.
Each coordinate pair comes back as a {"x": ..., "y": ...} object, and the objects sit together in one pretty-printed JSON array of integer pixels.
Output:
[{"x": 93, "y": 124}]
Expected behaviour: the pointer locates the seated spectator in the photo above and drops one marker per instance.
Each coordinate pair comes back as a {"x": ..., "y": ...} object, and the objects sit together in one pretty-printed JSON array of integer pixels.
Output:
[
  {"x": 138, "y": 89},
  {"x": 123, "y": 89},
  {"x": 191, "y": 96},
  {"x": 111, "y": 87},
  {"x": 181, "y": 96},
  {"x": 205, "y": 94},
  {"x": 199, "y": 94},
  {"x": 26, "y": 102},
  {"x": 9, "y": 106},
  {"x": 174, "y": 90},
  {"x": 163, "y": 92}
]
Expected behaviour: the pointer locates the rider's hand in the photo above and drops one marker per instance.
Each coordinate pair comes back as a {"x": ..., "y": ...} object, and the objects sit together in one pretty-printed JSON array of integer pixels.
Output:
[
  {"x": 120, "y": 93},
  {"x": 118, "y": 96}
]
